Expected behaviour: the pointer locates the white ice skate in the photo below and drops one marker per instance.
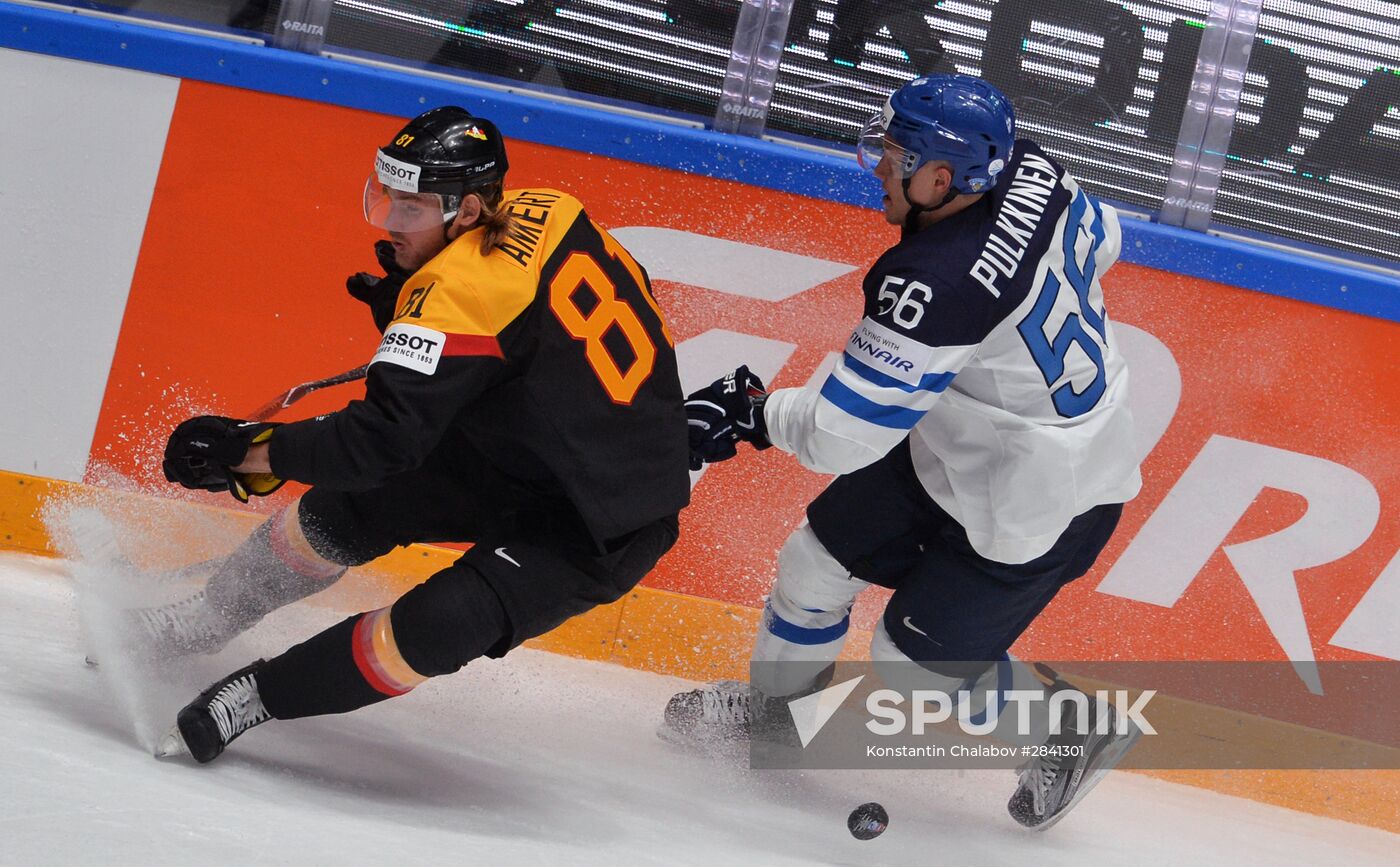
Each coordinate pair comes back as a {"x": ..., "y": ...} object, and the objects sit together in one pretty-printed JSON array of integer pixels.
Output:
[{"x": 1051, "y": 785}]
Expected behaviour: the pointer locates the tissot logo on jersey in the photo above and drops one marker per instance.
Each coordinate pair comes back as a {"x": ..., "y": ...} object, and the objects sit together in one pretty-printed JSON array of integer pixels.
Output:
[
  {"x": 1020, "y": 213},
  {"x": 889, "y": 351},
  {"x": 416, "y": 344},
  {"x": 411, "y": 346}
]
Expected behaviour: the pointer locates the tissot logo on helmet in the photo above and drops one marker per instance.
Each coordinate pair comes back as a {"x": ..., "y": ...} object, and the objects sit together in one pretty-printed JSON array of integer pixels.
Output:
[{"x": 395, "y": 174}]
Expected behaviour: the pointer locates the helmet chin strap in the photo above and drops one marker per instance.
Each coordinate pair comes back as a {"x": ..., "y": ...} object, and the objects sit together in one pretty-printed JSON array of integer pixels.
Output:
[{"x": 917, "y": 210}]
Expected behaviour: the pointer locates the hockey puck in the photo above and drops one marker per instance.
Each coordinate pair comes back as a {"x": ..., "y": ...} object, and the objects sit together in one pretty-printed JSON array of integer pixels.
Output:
[{"x": 868, "y": 821}]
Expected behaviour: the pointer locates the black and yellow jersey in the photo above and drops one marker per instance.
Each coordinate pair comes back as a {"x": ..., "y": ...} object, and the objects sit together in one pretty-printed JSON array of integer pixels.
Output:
[{"x": 549, "y": 356}]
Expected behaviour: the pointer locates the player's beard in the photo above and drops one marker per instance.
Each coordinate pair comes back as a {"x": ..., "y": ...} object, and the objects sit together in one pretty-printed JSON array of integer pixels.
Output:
[{"x": 413, "y": 250}]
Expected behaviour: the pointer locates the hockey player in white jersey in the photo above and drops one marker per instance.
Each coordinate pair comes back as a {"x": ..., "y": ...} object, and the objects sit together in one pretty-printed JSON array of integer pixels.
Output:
[{"x": 977, "y": 423}]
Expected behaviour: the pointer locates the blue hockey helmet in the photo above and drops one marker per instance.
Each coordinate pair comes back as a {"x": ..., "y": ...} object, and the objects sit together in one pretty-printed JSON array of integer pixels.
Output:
[{"x": 960, "y": 119}]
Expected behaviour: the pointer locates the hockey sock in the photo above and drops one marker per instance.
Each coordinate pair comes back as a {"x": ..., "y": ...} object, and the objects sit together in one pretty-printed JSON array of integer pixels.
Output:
[
  {"x": 806, "y": 618},
  {"x": 275, "y": 566},
  {"x": 352, "y": 664},
  {"x": 435, "y": 628}
]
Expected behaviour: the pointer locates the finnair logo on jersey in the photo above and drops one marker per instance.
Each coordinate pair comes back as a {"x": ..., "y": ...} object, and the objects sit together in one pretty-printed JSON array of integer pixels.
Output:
[
  {"x": 396, "y": 174},
  {"x": 411, "y": 346},
  {"x": 889, "y": 352},
  {"x": 1020, "y": 213},
  {"x": 875, "y": 353}
]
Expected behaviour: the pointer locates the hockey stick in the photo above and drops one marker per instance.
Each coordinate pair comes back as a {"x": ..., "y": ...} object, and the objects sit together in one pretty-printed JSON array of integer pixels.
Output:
[{"x": 296, "y": 393}]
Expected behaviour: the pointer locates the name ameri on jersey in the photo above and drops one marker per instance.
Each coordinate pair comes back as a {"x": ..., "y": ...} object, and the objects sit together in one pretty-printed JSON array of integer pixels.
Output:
[
  {"x": 529, "y": 212},
  {"x": 1031, "y": 187}
]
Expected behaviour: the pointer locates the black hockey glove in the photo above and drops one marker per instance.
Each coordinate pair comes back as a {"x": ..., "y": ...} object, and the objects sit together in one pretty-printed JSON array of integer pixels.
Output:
[
  {"x": 728, "y": 410},
  {"x": 201, "y": 451},
  {"x": 380, "y": 293}
]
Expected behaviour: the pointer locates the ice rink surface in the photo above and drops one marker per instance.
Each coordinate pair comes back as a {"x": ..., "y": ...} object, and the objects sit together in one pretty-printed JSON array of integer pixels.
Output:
[{"x": 535, "y": 759}]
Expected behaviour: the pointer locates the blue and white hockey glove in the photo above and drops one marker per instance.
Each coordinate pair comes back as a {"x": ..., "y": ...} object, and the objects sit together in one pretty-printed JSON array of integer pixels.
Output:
[{"x": 726, "y": 411}]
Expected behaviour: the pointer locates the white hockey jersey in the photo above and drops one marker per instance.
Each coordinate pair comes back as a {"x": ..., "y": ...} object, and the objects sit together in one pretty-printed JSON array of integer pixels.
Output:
[{"x": 986, "y": 344}]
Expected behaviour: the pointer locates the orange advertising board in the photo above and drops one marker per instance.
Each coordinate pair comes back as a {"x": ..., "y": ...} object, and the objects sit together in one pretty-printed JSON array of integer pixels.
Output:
[{"x": 1269, "y": 521}]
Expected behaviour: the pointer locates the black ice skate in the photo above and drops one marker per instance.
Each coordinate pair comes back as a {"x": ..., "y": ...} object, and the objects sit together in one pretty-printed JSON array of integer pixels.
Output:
[
  {"x": 728, "y": 712},
  {"x": 1051, "y": 785},
  {"x": 221, "y": 713},
  {"x": 713, "y": 715},
  {"x": 181, "y": 628}
]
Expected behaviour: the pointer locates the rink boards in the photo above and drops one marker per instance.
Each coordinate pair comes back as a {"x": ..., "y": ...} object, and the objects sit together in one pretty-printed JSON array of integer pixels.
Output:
[{"x": 183, "y": 246}]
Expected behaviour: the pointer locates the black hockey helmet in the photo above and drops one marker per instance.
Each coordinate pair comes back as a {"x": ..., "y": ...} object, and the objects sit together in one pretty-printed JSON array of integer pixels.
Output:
[{"x": 433, "y": 162}]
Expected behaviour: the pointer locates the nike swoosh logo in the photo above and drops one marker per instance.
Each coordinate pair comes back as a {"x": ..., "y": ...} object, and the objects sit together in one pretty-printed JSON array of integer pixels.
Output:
[
  {"x": 748, "y": 426},
  {"x": 247, "y": 423},
  {"x": 909, "y": 624},
  {"x": 501, "y": 552}
]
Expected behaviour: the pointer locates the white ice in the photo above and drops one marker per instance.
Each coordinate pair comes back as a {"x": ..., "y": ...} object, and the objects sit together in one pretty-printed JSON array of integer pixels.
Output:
[{"x": 535, "y": 759}]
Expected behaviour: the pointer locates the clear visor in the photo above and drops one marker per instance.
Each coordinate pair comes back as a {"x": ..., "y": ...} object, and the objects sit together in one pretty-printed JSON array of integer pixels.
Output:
[
  {"x": 398, "y": 211},
  {"x": 875, "y": 145}
]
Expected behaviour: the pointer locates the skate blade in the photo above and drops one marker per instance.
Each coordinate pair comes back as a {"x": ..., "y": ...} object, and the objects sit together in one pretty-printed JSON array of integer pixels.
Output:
[
  {"x": 172, "y": 746},
  {"x": 1108, "y": 760}
]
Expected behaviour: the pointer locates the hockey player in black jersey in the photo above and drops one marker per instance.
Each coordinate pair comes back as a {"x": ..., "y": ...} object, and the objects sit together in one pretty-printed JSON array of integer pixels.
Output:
[
  {"x": 977, "y": 424},
  {"x": 524, "y": 397}
]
